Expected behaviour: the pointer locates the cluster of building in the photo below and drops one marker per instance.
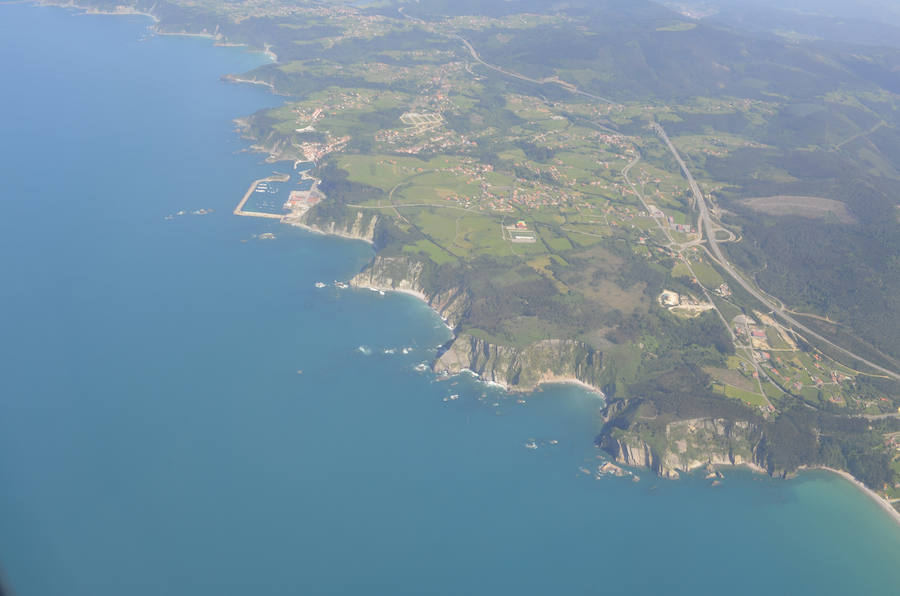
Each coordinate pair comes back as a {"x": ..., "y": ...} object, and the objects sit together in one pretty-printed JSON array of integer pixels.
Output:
[
  {"x": 682, "y": 304},
  {"x": 761, "y": 355},
  {"x": 892, "y": 441},
  {"x": 334, "y": 101},
  {"x": 789, "y": 374},
  {"x": 476, "y": 22},
  {"x": 686, "y": 228},
  {"x": 756, "y": 334},
  {"x": 355, "y": 23},
  {"x": 316, "y": 151},
  {"x": 519, "y": 232},
  {"x": 722, "y": 290},
  {"x": 398, "y": 141},
  {"x": 301, "y": 201}
]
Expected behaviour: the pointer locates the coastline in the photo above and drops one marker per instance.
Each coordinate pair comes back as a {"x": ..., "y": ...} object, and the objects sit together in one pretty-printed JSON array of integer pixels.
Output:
[
  {"x": 544, "y": 380},
  {"x": 315, "y": 230},
  {"x": 420, "y": 295},
  {"x": 554, "y": 380},
  {"x": 279, "y": 398},
  {"x": 414, "y": 293},
  {"x": 882, "y": 503},
  {"x": 121, "y": 11},
  {"x": 753, "y": 467},
  {"x": 267, "y": 50},
  {"x": 879, "y": 500},
  {"x": 212, "y": 36}
]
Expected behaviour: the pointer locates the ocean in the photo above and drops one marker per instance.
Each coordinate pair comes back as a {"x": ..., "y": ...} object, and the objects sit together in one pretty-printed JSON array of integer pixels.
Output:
[{"x": 183, "y": 412}]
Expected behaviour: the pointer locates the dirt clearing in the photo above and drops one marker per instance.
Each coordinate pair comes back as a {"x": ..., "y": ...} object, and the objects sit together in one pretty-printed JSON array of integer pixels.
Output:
[{"x": 813, "y": 207}]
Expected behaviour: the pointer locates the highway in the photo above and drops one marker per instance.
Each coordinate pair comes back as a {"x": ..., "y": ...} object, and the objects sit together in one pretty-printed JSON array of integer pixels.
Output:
[
  {"x": 705, "y": 220},
  {"x": 709, "y": 230},
  {"x": 554, "y": 80}
]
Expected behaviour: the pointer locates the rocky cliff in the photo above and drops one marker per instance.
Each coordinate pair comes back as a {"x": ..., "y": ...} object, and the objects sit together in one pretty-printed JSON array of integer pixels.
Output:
[
  {"x": 392, "y": 273},
  {"x": 684, "y": 445},
  {"x": 547, "y": 361},
  {"x": 358, "y": 226},
  {"x": 406, "y": 274},
  {"x": 276, "y": 146},
  {"x": 552, "y": 360}
]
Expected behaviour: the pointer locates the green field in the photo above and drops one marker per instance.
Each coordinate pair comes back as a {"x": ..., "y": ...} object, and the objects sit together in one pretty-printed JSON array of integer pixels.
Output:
[
  {"x": 706, "y": 275},
  {"x": 754, "y": 399}
]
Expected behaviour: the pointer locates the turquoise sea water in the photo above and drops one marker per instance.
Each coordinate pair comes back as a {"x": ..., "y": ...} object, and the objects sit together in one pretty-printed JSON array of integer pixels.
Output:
[{"x": 156, "y": 437}]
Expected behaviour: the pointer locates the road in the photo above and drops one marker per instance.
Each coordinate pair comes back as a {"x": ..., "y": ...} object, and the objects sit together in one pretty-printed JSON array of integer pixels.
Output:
[
  {"x": 860, "y": 135},
  {"x": 710, "y": 232},
  {"x": 881, "y": 416},
  {"x": 411, "y": 224},
  {"x": 705, "y": 220},
  {"x": 664, "y": 227},
  {"x": 661, "y": 224},
  {"x": 551, "y": 80}
]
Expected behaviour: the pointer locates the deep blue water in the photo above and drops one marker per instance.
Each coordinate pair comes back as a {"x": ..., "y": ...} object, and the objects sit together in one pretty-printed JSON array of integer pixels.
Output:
[{"x": 156, "y": 437}]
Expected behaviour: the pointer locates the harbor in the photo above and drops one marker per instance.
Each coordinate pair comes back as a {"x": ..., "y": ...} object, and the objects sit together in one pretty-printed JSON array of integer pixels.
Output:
[
  {"x": 260, "y": 186},
  {"x": 266, "y": 198}
]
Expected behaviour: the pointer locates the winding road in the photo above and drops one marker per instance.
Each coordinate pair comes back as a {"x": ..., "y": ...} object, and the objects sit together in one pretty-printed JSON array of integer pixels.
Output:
[
  {"x": 705, "y": 220},
  {"x": 710, "y": 231}
]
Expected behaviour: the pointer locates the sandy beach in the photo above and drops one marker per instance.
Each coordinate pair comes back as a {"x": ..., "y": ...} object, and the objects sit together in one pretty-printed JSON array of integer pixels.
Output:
[
  {"x": 887, "y": 507},
  {"x": 554, "y": 380}
]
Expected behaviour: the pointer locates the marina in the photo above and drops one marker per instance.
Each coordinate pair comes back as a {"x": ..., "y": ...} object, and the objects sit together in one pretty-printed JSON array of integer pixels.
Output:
[
  {"x": 273, "y": 197},
  {"x": 262, "y": 187}
]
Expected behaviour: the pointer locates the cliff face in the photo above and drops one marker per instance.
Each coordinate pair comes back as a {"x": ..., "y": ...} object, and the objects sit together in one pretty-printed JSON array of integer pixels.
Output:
[
  {"x": 635, "y": 452},
  {"x": 392, "y": 273},
  {"x": 514, "y": 368},
  {"x": 358, "y": 227},
  {"x": 694, "y": 443},
  {"x": 524, "y": 368},
  {"x": 404, "y": 274},
  {"x": 684, "y": 445},
  {"x": 276, "y": 146}
]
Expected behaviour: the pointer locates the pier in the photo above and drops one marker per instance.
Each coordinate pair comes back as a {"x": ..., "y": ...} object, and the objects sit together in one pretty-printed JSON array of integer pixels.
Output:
[{"x": 239, "y": 210}]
